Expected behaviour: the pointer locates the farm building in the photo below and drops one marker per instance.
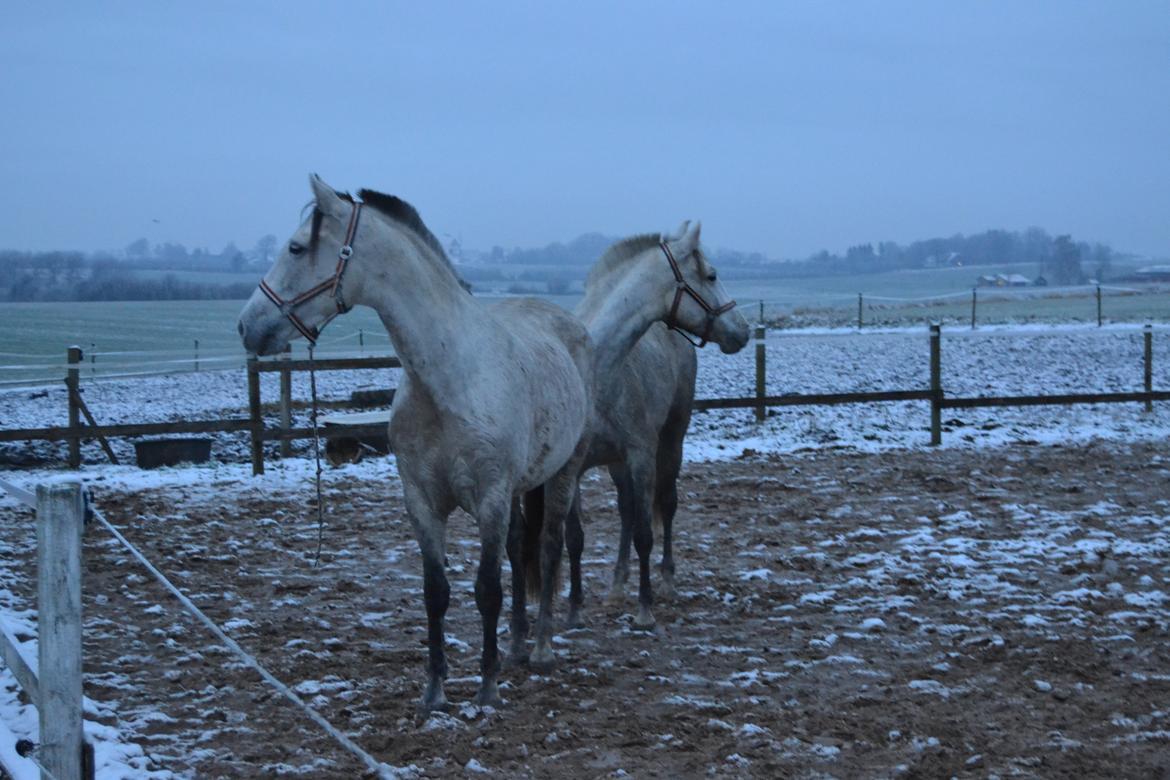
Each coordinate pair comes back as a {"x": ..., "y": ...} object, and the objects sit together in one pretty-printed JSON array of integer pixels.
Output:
[
  {"x": 1003, "y": 280},
  {"x": 1153, "y": 273}
]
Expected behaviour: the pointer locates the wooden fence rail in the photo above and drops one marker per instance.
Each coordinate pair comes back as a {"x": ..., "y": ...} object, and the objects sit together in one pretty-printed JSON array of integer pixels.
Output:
[
  {"x": 285, "y": 434},
  {"x": 55, "y": 685}
]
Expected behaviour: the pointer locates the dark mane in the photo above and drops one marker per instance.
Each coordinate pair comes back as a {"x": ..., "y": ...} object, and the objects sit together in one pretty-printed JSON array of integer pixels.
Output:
[
  {"x": 399, "y": 211},
  {"x": 402, "y": 212}
]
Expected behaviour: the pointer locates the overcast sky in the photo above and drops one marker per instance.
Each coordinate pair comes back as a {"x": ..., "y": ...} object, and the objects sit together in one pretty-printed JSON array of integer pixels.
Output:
[{"x": 785, "y": 127}]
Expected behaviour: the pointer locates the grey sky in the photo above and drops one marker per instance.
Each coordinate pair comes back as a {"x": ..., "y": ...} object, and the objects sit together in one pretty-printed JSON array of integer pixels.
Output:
[{"x": 785, "y": 127}]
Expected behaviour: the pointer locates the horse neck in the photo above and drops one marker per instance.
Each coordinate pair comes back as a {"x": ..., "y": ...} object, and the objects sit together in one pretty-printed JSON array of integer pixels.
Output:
[
  {"x": 618, "y": 312},
  {"x": 428, "y": 315}
]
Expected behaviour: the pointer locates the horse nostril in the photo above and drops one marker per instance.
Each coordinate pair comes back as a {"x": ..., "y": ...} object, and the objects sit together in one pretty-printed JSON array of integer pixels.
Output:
[{"x": 240, "y": 328}]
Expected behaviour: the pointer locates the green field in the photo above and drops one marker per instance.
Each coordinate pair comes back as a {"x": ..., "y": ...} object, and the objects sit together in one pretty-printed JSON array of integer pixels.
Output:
[{"x": 34, "y": 336}]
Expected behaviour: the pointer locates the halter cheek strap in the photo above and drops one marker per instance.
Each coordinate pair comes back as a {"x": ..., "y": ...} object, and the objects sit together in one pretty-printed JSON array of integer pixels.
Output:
[
  {"x": 332, "y": 285},
  {"x": 683, "y": 287}
]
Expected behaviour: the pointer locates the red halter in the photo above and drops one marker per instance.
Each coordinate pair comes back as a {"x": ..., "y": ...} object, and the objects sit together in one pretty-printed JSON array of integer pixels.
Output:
[
  {"x": 684, "y": 287},
  {"x": 332, "y": 284}
]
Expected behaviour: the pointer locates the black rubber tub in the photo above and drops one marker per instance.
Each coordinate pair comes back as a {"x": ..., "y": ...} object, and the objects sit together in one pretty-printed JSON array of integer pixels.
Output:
[{"x": 155, "y": 453}]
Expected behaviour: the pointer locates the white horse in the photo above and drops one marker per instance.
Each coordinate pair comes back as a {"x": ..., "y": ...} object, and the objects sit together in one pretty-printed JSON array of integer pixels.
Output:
[
  {"x": 494, "y": 400},
  {"x": 642, "y": 371}
]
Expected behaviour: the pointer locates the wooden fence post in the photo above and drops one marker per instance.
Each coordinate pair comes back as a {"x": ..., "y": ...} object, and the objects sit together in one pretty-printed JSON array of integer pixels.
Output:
[
  {"x": 255, "y": 416},
  {"x": 286, "y": 402},
  {"x": 859, "y": 311},
  {"x": 761, "y": 377},
  {"x": 935, "y": 384},
  {"x": 73, "y": 382},
  {"x": 1148, "y": 367},
  {"x": 1099, "y": 306},
  {"x": 974, "y": 292},
  {"x": 60, "y": 519}
]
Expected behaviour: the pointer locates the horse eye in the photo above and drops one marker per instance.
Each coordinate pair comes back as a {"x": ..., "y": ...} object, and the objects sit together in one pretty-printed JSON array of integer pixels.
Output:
[
  {"x": 711, "y": 278},
  {"x": 294, "y": 248}
]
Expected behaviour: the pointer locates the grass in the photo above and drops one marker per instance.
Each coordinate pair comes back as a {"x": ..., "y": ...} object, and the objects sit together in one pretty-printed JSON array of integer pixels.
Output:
[{"x": 34, "y": 336}]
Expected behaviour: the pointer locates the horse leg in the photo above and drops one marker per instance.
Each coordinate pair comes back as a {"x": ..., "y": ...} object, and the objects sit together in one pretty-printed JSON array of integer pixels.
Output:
[
  {"x": 669, "y": 463},
  {"x": 518, "y": 654},
  {"x": 575, "y": 542},
  {"x": 622, "y": 481},
  {"x": 642, "y": 478},
  {"x": 665, "y": 505},
  {"x": 666, "y": 482},
  {"x": 431, "y": 533},
  {"x": 489, "y": 596},
  {"x": 558, "y": 497}
]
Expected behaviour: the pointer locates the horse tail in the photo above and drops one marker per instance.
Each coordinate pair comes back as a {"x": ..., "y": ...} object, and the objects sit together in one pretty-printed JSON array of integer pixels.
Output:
[{"x": 530, "y": 546}]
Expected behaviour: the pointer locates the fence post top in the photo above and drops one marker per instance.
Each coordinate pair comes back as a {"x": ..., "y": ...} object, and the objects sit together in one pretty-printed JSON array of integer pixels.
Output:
[{"x": 58, "y": 489}]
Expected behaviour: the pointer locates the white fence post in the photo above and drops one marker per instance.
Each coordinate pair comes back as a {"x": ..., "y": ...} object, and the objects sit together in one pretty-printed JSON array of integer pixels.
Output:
[{"x": 60, "y": 519}]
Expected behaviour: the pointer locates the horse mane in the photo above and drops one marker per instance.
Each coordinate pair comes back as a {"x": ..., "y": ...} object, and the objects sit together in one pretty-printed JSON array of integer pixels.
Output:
[
  {"x": 406, "y": 215},
  {"x": 619, "y": 254}
]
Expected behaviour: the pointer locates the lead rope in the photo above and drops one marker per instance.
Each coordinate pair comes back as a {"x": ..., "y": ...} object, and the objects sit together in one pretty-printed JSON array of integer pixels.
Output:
[{"x": 317, "y": 458}]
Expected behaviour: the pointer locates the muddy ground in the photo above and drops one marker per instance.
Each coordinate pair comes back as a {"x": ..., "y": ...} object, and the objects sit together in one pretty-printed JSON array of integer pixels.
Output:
[{"x": 911, "y": 614}]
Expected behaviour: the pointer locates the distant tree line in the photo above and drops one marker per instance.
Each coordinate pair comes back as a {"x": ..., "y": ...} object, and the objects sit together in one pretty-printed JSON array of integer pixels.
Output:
[
  {"x": 72, "y": 276},
  {"x": 1060, "y": 260},
  {"x": 555, "y": 268}
]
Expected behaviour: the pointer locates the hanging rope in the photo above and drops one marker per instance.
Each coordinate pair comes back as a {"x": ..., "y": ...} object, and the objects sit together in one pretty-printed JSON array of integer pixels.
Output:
[{"x": 317, "y": 458}]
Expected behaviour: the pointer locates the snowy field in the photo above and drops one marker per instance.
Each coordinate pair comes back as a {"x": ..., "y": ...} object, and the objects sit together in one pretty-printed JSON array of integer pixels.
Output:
[
  {"x": 991, "y": 361},
  {"x": 850, "y": 601}
]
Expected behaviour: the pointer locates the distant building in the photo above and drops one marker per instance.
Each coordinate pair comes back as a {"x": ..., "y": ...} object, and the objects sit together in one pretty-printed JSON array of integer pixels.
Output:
[
  {"x": 1153, "y": 273},
  {"x": 1003, "y": 280}
]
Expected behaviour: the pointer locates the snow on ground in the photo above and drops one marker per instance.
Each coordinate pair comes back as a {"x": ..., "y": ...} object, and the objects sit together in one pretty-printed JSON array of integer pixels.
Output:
[
  {"x": 992, "y": 361},
  {"x": 1003, "y": 360}
]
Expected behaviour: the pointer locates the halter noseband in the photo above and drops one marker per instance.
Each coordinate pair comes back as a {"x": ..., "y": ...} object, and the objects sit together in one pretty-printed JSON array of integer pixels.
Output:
[
  {"x": 684, "y": 287},
  {"x": 332, "y": 285}
]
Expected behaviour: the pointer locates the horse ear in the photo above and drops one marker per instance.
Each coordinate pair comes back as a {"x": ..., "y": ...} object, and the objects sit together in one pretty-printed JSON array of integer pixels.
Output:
[
  {"x": 679, "y": 233},
  {"x": 689, "y": 241},
  {"x": 327, "y": 199}
]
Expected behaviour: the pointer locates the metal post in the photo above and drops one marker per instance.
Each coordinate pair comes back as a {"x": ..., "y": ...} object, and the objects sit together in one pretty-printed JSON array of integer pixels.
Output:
[
  {"x": 286, "y": 404},
  {"x": 361, "y": 339},
  {"x": 761, "y": 311},
  {"x": 859, "y": 311},
  {"x": 73, "y": 356},
  {"x": 974, "y": 292},
  {"x": 936, "y": 392},
  {"x": 60, "y": 518},
  {"x": 761, "y": 378},
  {"x": 1148, "y": 368},
  {"x": 196, "y": 354},
  {"x": 1098, "y": 306},
  {"x": 255, "y": 416}
]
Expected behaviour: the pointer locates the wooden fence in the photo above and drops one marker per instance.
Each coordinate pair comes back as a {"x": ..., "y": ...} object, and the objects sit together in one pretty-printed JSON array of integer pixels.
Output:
[
  {"x": 54, "y": 683},
  {"x": 254, "y": 424}
]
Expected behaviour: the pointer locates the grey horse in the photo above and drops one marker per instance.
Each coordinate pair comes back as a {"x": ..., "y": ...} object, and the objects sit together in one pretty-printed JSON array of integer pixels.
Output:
[
  {"x": 645, "y": 384},
  {"x": 494, "y": 400}
]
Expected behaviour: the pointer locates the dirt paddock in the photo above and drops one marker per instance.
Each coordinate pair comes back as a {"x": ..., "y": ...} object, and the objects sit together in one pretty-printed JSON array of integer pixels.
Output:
[{"x": 912, "y": 614}]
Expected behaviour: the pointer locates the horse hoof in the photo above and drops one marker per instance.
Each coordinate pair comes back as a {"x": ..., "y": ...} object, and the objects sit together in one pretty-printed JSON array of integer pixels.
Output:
[
  {"x": 542, "y": 661},
  {"x": 616, "y": 595},
  {"x": 667, "y": 591},
  {"x": 574, "y": 620},
  {"x": 489, "y": 697},
  {"x": 517, "y": 657},
  {"x": 645, "y": 620},
  {"x": 426, "y": 707}
]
